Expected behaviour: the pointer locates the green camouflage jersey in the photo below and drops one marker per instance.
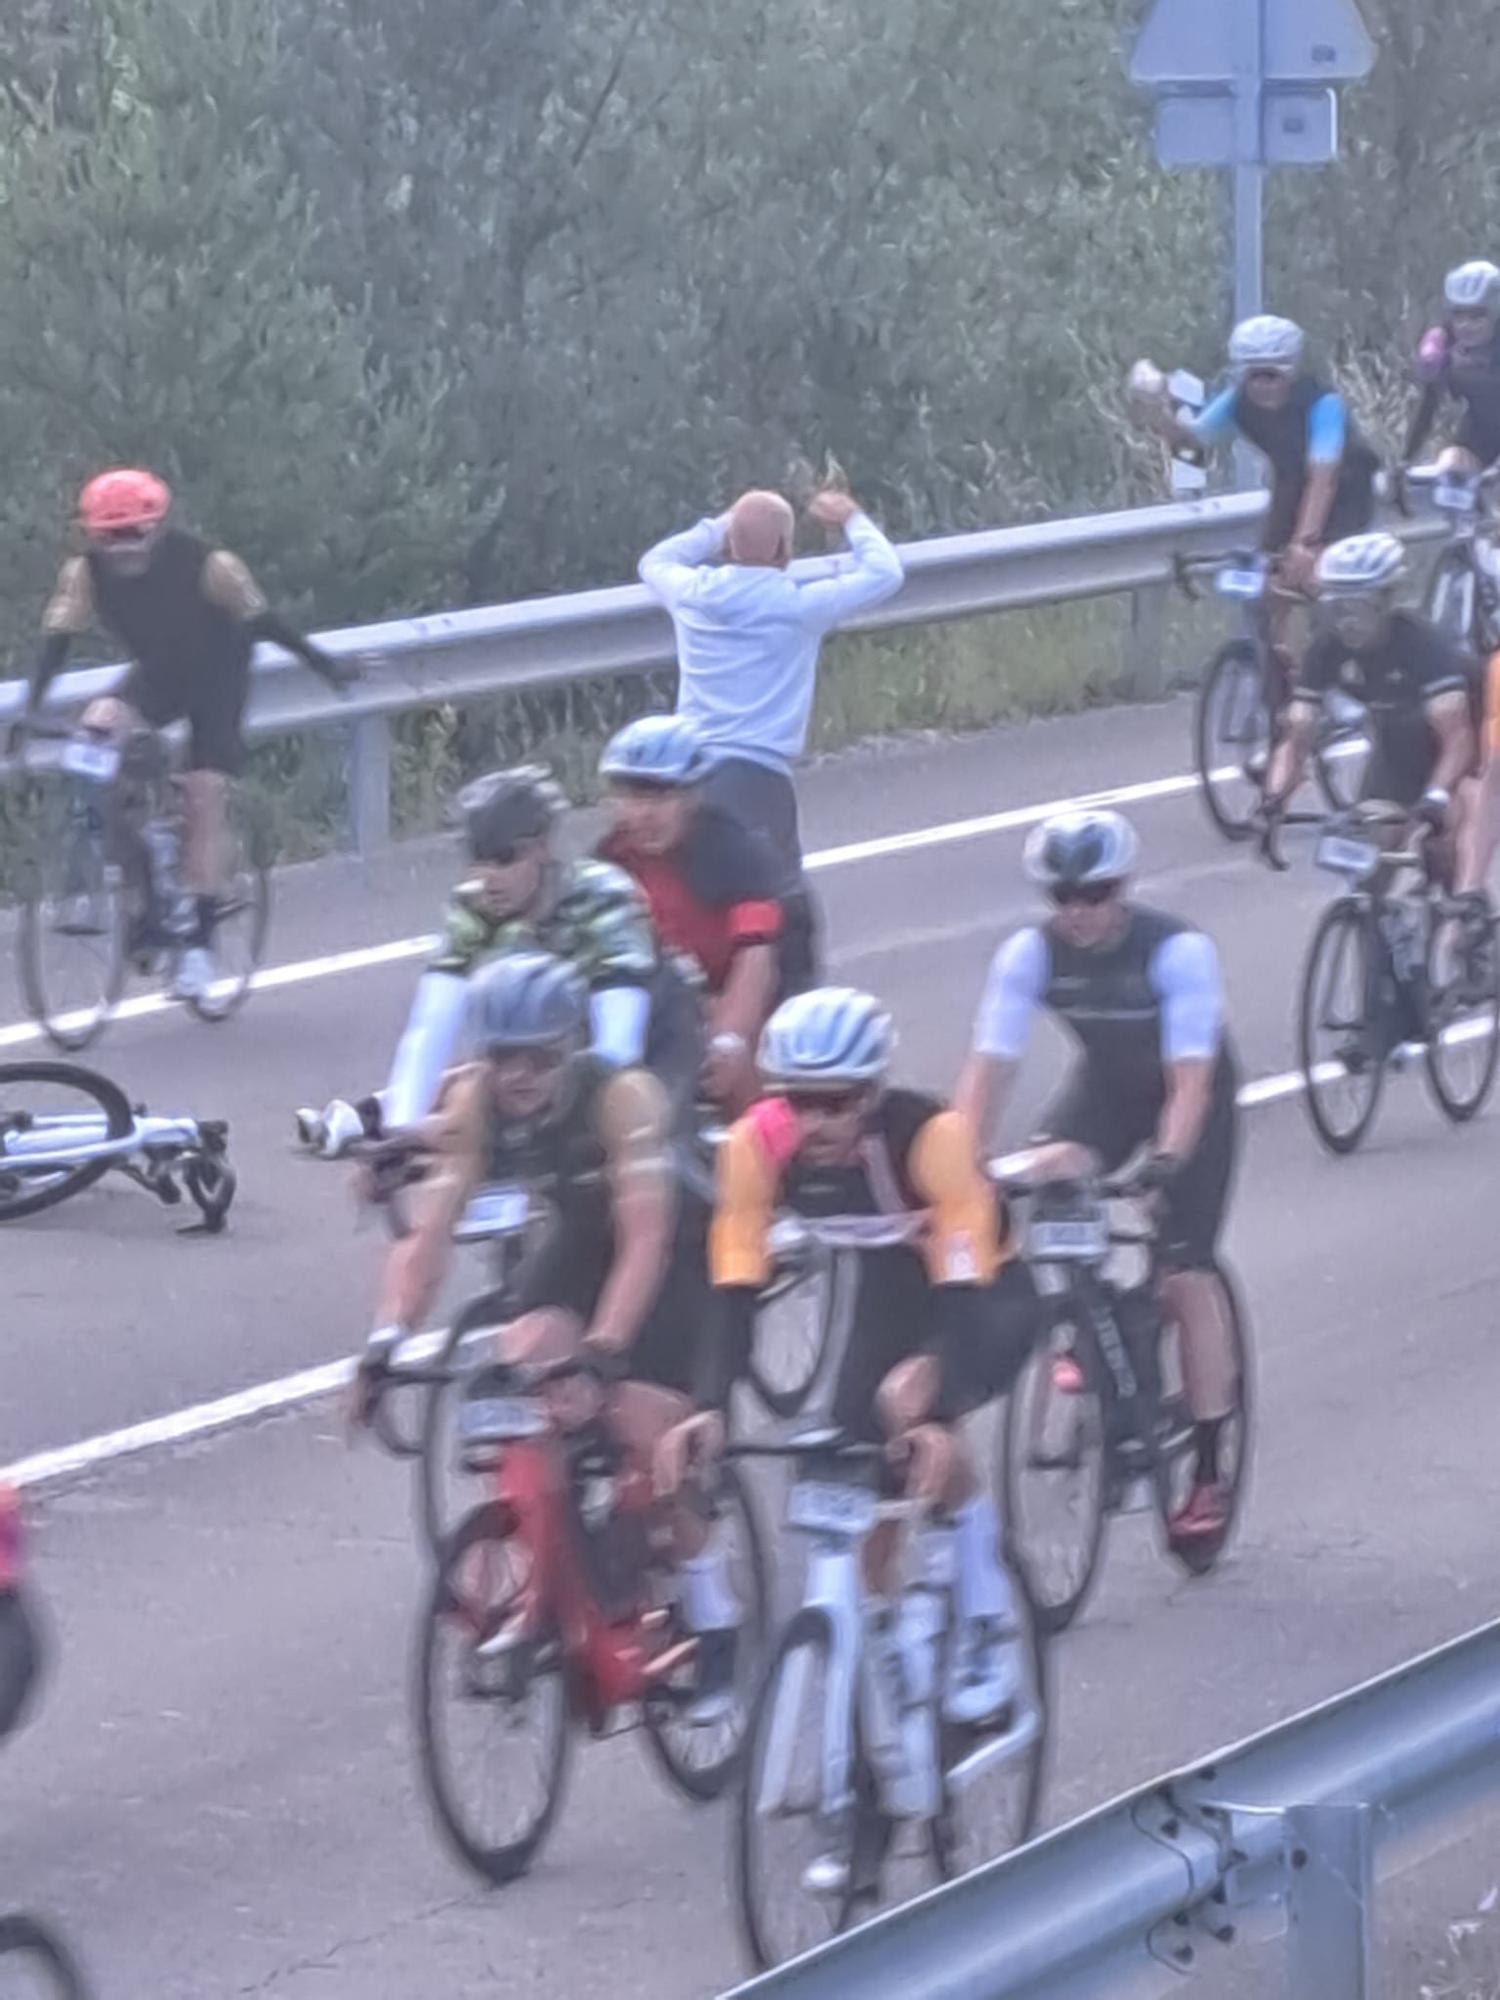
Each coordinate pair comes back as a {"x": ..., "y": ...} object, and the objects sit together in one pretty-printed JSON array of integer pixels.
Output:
[{"x": 598, "y": 921}]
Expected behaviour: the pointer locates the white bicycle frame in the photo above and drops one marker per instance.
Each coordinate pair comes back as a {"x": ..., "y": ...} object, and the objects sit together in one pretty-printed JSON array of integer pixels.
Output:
[{"x": 72, "y": 1140}]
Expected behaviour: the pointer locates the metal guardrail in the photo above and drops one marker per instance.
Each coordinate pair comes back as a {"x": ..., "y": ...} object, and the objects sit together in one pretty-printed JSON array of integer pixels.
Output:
[
  {"x": 453, "y": 655},
  {"x": 1286, "y": 1834}
]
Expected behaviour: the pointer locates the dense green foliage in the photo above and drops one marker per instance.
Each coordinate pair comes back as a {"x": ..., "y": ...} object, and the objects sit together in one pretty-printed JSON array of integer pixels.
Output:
[{"x": 420, "y": 300}]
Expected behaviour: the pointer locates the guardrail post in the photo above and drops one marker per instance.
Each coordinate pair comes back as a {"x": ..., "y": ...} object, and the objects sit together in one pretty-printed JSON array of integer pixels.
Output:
[
  {"x": 1330, "y": 1934},
  {"x": 369, "y": 782},
  {"x": 1145, "y": 676}
]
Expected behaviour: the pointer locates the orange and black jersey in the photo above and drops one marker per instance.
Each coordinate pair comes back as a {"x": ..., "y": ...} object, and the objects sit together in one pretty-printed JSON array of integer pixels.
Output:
[{"x": 711, "y": 897}]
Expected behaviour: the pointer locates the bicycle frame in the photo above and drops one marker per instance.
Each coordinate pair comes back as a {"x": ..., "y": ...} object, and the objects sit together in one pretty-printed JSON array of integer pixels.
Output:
[{"x": 1468, "y": 501}]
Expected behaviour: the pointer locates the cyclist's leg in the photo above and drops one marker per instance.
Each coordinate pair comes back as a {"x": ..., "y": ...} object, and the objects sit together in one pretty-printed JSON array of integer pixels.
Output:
[
  {"x": 216, "y": 755},
  {"x": 1480, "y": 824}
]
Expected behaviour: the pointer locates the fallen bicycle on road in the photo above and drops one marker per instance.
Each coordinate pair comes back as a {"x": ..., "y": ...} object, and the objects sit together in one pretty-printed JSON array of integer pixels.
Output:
[{"x": 63, "y": 1127}]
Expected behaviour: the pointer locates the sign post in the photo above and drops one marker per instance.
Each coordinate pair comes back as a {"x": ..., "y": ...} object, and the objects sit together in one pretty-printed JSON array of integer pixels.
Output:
[{"x": 1245, "y": 85}]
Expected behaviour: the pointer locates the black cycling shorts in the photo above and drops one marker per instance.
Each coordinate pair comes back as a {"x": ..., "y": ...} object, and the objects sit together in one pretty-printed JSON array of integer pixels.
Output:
[
  {"x": 1089, "y": 1113},
  {"x": 212, "y": 703},
  {"x": 980, "y": 1344},
  {"x": 1352, "y": 512},
  {"x": 569, "y": 1270},
  {"x": 1479, "y": 433},
  {"x": 1403, "y": 756}
]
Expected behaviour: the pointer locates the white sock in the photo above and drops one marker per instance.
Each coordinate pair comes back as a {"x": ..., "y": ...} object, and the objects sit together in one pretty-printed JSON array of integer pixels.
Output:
[
  {"x": 984, "y": 1589},
  {"x": 708, "y": 1600}
]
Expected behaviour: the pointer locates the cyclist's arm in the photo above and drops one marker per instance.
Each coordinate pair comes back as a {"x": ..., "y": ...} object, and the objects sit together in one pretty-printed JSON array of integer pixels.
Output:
[
  {"x": 1327, "y": 432},
  {"x": 1451, "y": 722},
  {"x": 227, "y": 582},
  {"x": 1213, "y": 426},
  {"x": 69, "y": 614},
  {"x": 1317, "y": 673},
  {"x": 1013, "y": 991},
  {"x": 670, "y": 570},
  {"x": 643, "y": 1205},
  {"x": 416, "y": 1265},
  {"x": 1423, "y": 417},
  {"x": 1186, "y": 978},
  {"x": 961, "y": 1244},
  {"x": 870, "y": 572},
  {"x": 619, "y": 1020},
  {"x": 614, "y": 947},
  {"x": 739, "y": 1257},
  {"x": 745, "y": 1001},
  {"x": 428, "y": 1046}
]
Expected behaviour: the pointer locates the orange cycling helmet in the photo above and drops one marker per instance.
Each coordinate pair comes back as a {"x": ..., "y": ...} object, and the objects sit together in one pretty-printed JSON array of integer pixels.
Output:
[{"x": 123, "y": 499}]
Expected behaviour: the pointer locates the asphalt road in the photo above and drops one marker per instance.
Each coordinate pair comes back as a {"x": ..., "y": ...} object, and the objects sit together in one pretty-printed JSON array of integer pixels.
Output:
[{"x": 219, "y": 1795}]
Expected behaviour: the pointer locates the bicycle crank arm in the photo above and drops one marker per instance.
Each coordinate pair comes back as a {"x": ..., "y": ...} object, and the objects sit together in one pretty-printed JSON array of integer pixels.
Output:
[{"x": 1003, "y": 1748}]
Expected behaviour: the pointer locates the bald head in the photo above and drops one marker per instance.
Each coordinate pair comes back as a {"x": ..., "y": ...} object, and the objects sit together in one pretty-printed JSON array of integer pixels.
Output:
[{"x": 761, "y": 526}]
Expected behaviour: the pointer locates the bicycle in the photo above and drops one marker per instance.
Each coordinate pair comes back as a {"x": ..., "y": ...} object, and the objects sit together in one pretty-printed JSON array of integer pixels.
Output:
[
  {"x": 848, "y": 1742},
  {"x": 1374, "y": 986},
  {"x": 35, "y": 1963},
  {"x": 63, "y": 1127},
  {"x": 1099, "y": 1414},
  {"x": 102, "y": 890},
  {"x": 1463, "y": 592},
  {"x": 1241, "y": 696},
  {"x": 553, "y": 1608}
]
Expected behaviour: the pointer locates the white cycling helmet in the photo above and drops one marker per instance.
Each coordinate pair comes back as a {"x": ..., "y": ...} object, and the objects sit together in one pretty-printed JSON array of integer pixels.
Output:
[
  {"x": 1361, "y": 564},
  {"x": 656, "y": 750},
  {"x": 1266, "y": 342},
  {"x": 832, "y": 1038},
  {"x": 1072, "y": 849},
  {"x": 1473, "y": 287}
]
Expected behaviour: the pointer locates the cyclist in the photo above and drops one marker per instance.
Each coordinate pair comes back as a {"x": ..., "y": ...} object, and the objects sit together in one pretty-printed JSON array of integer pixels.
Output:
[
  {"x": 1422, "y": 692},
  {"x": 189, "y": 615},
  {"x": 521, "y": 896},
  {"x": 1141, "y": 992},
  {"x": 619, "y": 1279},
  {"x": 1460, "y": 358},
  {"x": 1322, "y": 470},
  {"x": 944, "y": 1311},
  {"x": 710, "y": 883},
  {"x": 20, "y": 1642}
]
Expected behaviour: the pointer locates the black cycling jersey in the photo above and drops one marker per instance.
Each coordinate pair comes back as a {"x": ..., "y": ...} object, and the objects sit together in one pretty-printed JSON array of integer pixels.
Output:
[
  {"x": 165, "y": 618},
  {"x": 1472, "y": 376},
  {"x": 1411, "y": 665}
]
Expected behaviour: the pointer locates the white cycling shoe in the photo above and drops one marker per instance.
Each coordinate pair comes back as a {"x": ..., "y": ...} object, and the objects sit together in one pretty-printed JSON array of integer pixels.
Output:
[
  {"x": 987, "y": 1672},
  {"x": 196, "y": 973},
  {"x": 332, "y": 1131}
]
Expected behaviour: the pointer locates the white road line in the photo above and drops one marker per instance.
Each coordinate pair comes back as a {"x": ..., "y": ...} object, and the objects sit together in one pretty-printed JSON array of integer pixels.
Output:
[{"x": 20, "y": 1033}]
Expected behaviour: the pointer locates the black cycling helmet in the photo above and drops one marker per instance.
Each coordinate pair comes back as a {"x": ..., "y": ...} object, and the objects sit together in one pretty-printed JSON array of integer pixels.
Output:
[
  {"x": 508, "y": 806},
  {"x": 527, "y": 1000}
]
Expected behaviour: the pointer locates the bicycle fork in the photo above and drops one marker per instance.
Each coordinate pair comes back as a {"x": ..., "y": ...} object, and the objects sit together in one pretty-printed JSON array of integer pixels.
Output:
[{"x": 833, "y": 1589}]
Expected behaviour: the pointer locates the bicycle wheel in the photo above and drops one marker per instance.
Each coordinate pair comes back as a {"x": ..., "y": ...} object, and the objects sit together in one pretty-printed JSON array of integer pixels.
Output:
[
  {"x": 53, "y": 1107},
  {"x": 1232, "y": 736},
  {"x": 1236, "y": 1436},
  {"x": 1463, "y": 1023},
  {"x": 1451, "y": 596},
  {"x": 992, "y": 1780},
  {"x": 35, "y": 1964},
  {"x": 1053, "y": 1477},
  {"x": 1339, "y": 760},
  {"x": 73, "y": 918},
  {"x": 1340, "y": 1043},
  {"x": 492, "y": 1703},
  {"x": 244, "y": 915},
  {"x": 700, "y": 1761},
  {"x": 780, "y": 1830},
  {"x": 793, "y": 1329}
]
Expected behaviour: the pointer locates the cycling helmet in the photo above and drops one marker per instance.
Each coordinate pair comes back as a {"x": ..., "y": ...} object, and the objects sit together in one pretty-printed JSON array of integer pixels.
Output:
[
  {"x": 1360, "y": 564},
  {"x": 506, "y": 806},
  {"x": 656, "y": 750},
  {"x": 1266, "y": 342},
  {"x": 1074, "y": 848},
  {"x": 123, "y": 499},
  {"x": 828, "y": 1039},
  {"x": 1473, "y": 287},
  {"x": 527, "y": 1000}
]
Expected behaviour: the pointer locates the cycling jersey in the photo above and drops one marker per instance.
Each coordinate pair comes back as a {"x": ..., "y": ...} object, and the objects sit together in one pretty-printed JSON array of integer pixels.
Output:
[
  {"x": 710, "y": 898},
  {"x": 596, "y": 918},
  {"x": 1312, "y": 427},
  {"x": 1470, "y": 374},
  {"x": 1413, "y": 665}
]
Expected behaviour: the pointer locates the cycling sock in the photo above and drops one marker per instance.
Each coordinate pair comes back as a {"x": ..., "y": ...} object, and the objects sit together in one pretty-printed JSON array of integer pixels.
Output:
[
  {"x": 1206, "y": 1447},
  {"x": 708, "y": 1600},
  {"x": 984, "y": 1589}
]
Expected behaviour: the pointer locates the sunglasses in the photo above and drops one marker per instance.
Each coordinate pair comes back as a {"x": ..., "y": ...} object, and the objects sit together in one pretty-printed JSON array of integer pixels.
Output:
[
  {"x": 535, "y": 1062},
  {"x": 1091, "y": 894},
  {"x": 502, "y": 854},
  {"x": 124, "y": 538},
  {"x": 825, "y": 1103},
  {"x": 645, "y": 788},
  {"x": 1266, "y": 375}
]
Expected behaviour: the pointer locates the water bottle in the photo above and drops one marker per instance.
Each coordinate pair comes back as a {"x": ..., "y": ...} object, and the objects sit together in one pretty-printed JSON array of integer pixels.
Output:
[{"x": 921, "y": 1626}]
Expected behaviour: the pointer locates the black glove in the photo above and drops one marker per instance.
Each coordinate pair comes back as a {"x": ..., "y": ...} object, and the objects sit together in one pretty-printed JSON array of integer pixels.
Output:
[{"x": 1157, "y": 1171}]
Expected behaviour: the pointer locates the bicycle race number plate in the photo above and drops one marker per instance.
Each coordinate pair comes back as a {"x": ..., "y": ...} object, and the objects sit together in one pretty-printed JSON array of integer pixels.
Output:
[
  {"x": 1455, "y": 496},
  {"x": 1069, "y": 1239},
  {"x": 823, "y": 1507},
  {"x": 1242, "y": 583},
  {"x": 1343, "y": 856},
  {"x": 494, "y": 1211},
  {"x": 98, "y": 762},
  {"x": 501, "y": 1419}
]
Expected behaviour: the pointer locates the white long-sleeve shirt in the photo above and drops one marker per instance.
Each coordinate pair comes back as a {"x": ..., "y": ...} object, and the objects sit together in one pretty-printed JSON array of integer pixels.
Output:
[{"x": 748, "y": 638}]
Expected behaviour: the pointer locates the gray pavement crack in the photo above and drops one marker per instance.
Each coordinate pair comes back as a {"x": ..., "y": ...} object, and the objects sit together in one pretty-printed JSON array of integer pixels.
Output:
[{"x": 323, "y": 1961}]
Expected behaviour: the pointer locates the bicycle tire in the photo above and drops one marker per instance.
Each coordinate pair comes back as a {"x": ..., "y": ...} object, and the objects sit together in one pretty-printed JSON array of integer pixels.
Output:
[
  {"x": 34, "y": 928},
  {"x": 704, "y": 1783},
  {"x": 788, "y": 1397},
  {"x": 24, "y": 1937},
  {"x": 1057, "y": 1612},
  {"x": 1456, "y": 1108},
  {"x": 1451, "y": 600},
  {"x": 809, "y": 1627},
  {"x": 434, "y": 1442},
  {"x": 502, "y": 1861},
  {"x": 1340, "y": 778},
  {"x": 1199, "y": 1557},
  {"x": 119, "y": 1123},
  {"x": 1236, "y": 657},
  {"x": 1345, "y": 913}
]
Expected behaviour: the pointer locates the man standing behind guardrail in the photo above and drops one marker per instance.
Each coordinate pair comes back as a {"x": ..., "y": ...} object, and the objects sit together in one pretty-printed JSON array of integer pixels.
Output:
[{"x": 748, "y": 637}]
